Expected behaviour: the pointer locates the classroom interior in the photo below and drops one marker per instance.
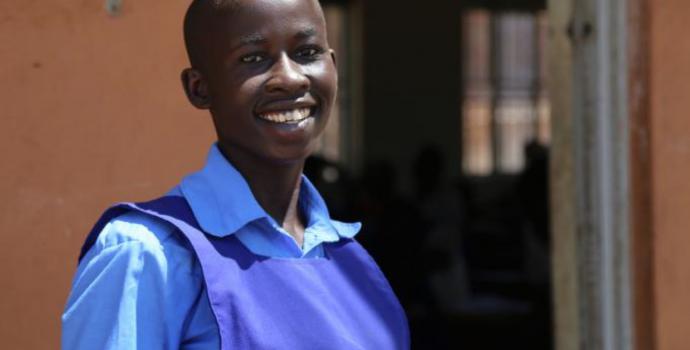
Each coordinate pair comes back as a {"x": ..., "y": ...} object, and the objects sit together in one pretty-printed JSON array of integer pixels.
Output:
[{"x": 440, "y": 147}]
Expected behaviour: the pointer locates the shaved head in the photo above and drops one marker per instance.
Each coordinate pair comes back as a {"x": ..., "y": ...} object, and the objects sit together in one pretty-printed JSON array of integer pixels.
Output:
[
  {"x": 198, "y": 26},
  {"x": 201, "y": 24}
]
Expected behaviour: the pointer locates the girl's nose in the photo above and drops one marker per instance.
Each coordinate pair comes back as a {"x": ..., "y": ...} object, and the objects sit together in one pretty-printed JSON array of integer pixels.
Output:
[{"x": 286, "y": 76}]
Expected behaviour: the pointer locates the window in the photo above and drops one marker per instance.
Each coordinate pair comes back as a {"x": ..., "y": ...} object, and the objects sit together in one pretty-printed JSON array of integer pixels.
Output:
[{"x": 504, "y": 99}]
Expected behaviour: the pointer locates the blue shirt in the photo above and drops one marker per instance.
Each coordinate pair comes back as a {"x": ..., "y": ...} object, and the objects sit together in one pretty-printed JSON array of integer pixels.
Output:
[{"x": 140, "y": 285}]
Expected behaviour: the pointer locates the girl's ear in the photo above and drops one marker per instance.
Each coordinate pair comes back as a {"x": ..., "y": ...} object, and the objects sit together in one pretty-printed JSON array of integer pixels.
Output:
[
  {"x": 332, "y": 52},
  {"x": 196, "y": 88}
]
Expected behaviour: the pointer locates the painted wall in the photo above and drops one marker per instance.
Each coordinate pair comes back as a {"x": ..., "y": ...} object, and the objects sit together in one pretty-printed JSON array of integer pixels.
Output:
[
  {"x": 91, "y": 112},
  {"x": 670, "y": 147}
]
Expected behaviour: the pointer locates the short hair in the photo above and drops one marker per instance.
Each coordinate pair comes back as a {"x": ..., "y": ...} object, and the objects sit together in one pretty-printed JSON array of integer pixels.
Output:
[{"x": 196, "y": 25}]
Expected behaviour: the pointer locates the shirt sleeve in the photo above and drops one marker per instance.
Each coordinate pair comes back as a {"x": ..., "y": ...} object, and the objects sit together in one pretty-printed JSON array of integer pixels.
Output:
[{"x": 136, "y": 288}]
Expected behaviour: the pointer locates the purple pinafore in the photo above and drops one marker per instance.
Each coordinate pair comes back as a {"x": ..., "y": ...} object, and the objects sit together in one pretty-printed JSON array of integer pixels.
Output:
[{"x": 342, "y": 301}]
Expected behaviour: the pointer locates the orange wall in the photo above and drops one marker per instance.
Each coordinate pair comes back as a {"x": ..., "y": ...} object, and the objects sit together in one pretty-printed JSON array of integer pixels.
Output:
[
  {"x": 670, "y": 130},
  {"x": 91, "y": 112}
]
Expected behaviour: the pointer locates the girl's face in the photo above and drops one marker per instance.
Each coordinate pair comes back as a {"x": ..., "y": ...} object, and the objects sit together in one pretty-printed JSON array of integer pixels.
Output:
[{"x": 271, "y": 79}]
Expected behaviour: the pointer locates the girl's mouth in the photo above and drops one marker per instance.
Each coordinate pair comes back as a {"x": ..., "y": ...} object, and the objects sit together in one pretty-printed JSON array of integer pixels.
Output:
[{"x": 290, "y": 116}]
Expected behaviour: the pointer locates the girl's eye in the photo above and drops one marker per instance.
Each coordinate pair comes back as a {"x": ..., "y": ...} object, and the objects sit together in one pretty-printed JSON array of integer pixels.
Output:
[
  {"x": 252, "y": 58},
  {"x": 310, "y": 52}
]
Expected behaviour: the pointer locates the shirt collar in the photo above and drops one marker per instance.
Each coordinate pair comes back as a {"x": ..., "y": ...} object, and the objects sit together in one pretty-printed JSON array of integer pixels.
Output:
[
  {"x": 222, "y": 201},
  {"x": 319, "y": 219}
]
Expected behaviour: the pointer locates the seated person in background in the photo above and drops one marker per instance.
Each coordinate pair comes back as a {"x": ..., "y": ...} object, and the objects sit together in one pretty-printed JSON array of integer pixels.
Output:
[{"x": 242, "y": 254}]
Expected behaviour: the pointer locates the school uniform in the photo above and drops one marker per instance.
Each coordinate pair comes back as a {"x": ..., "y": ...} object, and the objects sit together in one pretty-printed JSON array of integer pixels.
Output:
[{"x": 205, "y": 267}]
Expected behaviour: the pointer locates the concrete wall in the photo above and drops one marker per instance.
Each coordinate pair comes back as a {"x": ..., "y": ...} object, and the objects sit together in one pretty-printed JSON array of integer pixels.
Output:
[
  {"x": 670, "y": 171},
  {"x": 91, "y": 112}
]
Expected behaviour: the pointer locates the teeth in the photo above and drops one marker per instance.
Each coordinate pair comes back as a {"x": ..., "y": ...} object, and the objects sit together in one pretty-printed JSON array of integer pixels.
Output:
[{"x": 289, "y": 116}]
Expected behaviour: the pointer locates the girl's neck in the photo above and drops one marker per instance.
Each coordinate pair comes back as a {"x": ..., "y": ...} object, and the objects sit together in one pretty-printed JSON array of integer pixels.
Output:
[{"x": 276, "y": 187}]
